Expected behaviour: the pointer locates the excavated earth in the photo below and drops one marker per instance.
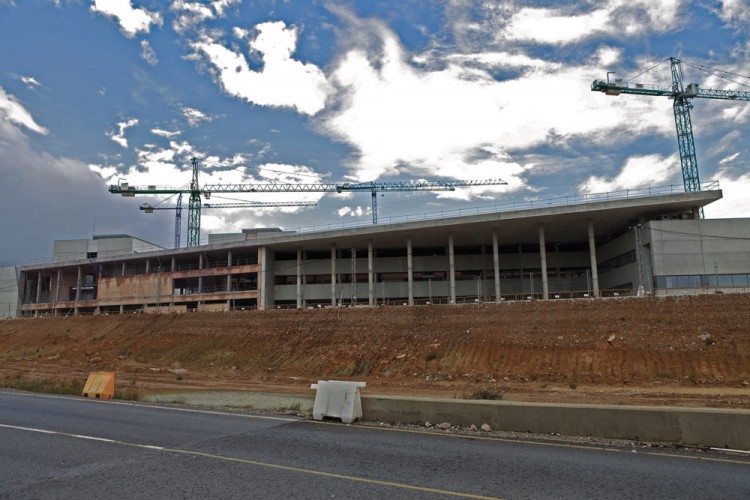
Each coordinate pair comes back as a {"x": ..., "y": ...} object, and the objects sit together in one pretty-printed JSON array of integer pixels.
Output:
[{"x": 687, "y": 351}]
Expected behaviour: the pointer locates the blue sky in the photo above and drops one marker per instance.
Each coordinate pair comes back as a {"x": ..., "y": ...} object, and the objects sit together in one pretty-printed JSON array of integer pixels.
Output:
[{"x": 327, "y": 91}]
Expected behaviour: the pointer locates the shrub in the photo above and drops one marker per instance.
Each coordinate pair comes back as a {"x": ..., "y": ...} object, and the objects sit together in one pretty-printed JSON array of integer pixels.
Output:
[{"x": 489, "y": 393}]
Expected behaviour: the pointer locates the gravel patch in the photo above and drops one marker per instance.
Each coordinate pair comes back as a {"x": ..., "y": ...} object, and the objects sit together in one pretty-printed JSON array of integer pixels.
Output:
[{"x": 279, "y": 403}]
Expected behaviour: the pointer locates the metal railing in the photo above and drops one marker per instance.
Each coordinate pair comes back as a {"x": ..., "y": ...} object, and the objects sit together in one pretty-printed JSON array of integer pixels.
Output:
[{"x": 562, "y": 201}]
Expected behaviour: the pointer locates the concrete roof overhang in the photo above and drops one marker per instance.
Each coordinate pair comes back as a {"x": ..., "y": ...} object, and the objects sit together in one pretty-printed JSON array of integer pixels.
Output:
[{"x": 562, "y": 224}]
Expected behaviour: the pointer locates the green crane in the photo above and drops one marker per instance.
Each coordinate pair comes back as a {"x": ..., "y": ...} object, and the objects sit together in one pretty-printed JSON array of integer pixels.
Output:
[
  {"x": 682, "y": 96},
  {"x": 196, "y": 191},
  {"x": 149, "y": 209}
]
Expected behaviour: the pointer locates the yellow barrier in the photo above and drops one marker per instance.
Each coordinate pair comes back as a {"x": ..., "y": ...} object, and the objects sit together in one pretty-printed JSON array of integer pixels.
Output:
[{"x": 100, "y": 385}]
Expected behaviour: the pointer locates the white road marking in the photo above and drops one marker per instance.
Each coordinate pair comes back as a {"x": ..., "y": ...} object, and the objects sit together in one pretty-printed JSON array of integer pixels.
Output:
[
  {"x": 145, "y": 405},
  {"x": 257, "y": 463}
]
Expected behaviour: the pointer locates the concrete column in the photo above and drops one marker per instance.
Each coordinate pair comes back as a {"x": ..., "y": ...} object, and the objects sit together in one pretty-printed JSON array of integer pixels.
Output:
[
  {"x": 496, "y": 264},
  {"x": 229, "y": 278},
  {"x": 263, "y": 293},
  {"x": 333, "y": 274},
  {"x": 39, "y": 279},
  {"x": 78, "y": 290},
  {"x": 543, "y": 258},
  {"x": 592, "y": 253},
  {"x": 174, "y": 264},
  {"x": 123, "y": 269},
  {"x": 57, "y": 290},
  {"x": 148, "y": 265},
  {"x": 409, "y": 269},
  {"x": 229, "y": 275},
  {"x": 299, "y": 277},
  {"x": 520, "y": 266},
  {"x": 200, "y": 261},
  {"x": 370, "y": 275},
  {"x": 452, "y": 268}
]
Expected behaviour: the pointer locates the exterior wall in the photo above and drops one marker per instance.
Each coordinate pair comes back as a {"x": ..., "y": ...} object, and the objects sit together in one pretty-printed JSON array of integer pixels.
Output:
[
  {"x": 8, "y": 292},
  {"x": 148, "y": 284},
  {"x": 151, "y": 286},
  {"x": 621, "y": 273},
  {"x": 694, "y": 247},
  {"x": 69, "y": 249},
  {"x": 101, "y": 246}
]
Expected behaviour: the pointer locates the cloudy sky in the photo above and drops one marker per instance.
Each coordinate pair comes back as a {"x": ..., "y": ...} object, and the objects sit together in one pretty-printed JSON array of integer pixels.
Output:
[{"x": 97, "y": 91}]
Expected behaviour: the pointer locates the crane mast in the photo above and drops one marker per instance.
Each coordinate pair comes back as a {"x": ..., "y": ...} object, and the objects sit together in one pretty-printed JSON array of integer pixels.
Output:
[
  {"x": 178, "y": 221},
  {"x": 194, "y": 209},
  {"x": 682, "y": 96}
]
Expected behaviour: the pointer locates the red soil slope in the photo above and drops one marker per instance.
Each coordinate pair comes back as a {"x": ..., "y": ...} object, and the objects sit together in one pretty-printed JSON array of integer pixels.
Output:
[{"x": 691, "y": 350}]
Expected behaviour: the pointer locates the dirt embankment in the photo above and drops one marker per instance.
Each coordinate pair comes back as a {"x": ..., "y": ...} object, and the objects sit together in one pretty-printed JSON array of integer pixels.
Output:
[{"x": 691, "y": 350}]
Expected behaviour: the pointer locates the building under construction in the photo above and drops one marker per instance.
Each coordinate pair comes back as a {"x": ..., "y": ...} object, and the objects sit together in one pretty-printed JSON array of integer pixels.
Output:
[{"x": 638, "y": 242}]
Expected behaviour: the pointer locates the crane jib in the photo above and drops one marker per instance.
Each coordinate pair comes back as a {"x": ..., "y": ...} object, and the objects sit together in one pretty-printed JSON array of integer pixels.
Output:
[{"x": 681, "y": 107}]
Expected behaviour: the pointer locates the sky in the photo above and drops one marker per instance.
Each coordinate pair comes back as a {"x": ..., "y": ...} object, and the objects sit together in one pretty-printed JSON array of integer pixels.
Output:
[{"x": 97, "y": 92}]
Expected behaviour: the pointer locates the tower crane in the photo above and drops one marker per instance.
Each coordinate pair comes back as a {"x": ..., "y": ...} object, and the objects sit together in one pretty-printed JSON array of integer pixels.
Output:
[
  {"x": 149, "y": 209},
  {"x": 372, "y": 187},
  {"x": 196, "y": 191},
  {"x": 682, "y": 96}
]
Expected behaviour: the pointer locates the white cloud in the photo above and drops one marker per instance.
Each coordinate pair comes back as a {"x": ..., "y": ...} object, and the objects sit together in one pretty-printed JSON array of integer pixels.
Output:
[
  {"x": 165, "y": 133},
  {"x": 399, "y": 118},
  {"x": 13, "y": 111},
  {"x": 194, "y": 116},
  {"x": 357, "y": 211},
  {"x": 607, "y": 56},
  {"x": 30, "y": 82},
  {"x": 148, "y": 54},
  {"x": 119, "y": 135},
  {"x": 735, "y": 13},
  {"x": 638, "y": 172},
  {"x": 283, "y": 81},
  {"x": 190, "y": 15},
  {"x": 132, "y": 20},
  {"x": 735, "y": 201},
  {"x": 729, "y": 159},
  {"x": 616, "y": 18}
]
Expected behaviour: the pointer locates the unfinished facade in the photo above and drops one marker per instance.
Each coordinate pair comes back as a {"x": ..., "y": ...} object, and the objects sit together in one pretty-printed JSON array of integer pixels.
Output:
[{"x": 620, "y": 246}]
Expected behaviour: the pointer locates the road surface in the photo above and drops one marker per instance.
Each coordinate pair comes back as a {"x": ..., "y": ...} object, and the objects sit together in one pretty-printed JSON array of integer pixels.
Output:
[{"x": 64, "y": 447}]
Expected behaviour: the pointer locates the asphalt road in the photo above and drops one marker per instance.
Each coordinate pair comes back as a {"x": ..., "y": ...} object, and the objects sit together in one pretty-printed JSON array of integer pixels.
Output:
[{"x": 60, "y": 447}]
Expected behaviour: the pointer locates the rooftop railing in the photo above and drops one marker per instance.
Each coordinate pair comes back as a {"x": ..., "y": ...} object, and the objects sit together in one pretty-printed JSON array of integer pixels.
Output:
[{"x": 580, "y": 199}]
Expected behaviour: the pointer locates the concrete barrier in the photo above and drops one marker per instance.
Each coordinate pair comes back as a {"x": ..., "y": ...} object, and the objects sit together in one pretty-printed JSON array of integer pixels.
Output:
[
  {"x": 339, "y": 399},
  {"x": 722, "y": 428},
  {"x": 99, "y": 385}
]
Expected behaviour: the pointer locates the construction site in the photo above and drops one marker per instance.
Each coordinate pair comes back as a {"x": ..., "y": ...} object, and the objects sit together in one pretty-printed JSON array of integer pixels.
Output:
[{"x": 624, "y": 297}]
